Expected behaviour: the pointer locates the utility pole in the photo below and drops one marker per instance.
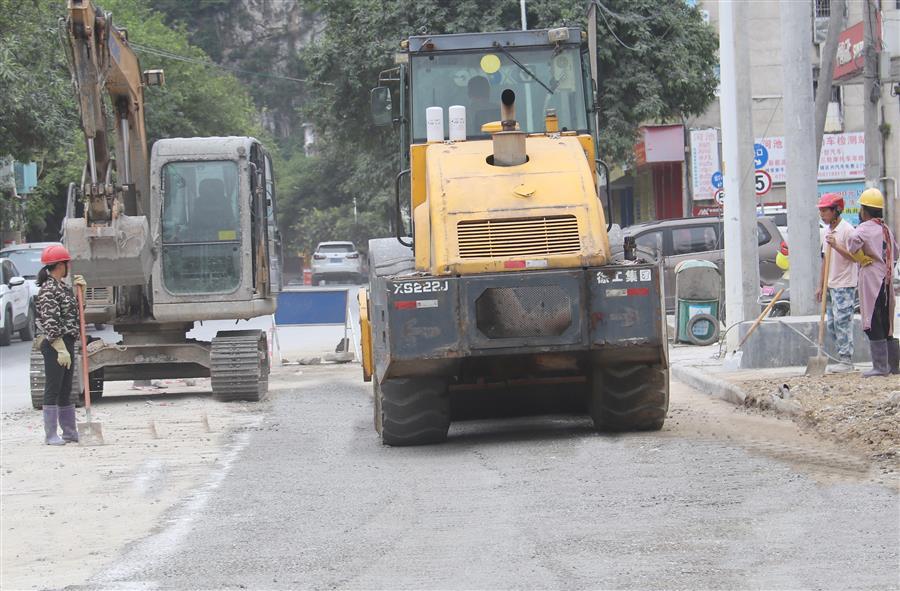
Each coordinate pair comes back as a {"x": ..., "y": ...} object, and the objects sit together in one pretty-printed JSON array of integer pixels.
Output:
[
  {"x": 741, "y": 250},
  {"x": 802, "y": 161},
  {"x": 871, "y": 96},
  {"x": 826, "y": 68},
  {"x": 524, "y": 16}
]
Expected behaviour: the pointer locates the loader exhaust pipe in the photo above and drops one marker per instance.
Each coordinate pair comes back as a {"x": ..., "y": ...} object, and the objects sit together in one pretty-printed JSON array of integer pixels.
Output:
[{"x": 509, "y": 144}]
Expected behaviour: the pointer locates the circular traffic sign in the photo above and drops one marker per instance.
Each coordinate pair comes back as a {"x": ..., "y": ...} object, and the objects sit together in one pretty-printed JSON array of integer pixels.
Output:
[
  {"x": 719, "y": 196},
  {"x": 717, "y": 180},
  {"x": 763, "y": 182},
  {"x": 760, "y": 155}
]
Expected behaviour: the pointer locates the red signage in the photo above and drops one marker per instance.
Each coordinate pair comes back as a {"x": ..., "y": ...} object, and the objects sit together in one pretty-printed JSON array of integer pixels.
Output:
[{"x": 850, "y": 55}]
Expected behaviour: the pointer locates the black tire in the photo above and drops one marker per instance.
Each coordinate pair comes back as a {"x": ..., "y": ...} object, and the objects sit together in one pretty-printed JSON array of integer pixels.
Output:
[
  {"x": 313, "y": 280},
  {"x": 414, "y": 411},
  {"x": 27, "y": 332},
  {"x": 782, "y": 309},
  {"x": 99, "y": 326},
  {"x": 6, "y": 333},
  {"x": 711, "y": 338},
  {"x": 629, "y": 397}
]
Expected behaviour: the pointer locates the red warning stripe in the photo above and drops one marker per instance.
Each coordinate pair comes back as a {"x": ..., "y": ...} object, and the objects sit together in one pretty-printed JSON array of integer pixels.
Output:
[{"x": 638, "y": 291}]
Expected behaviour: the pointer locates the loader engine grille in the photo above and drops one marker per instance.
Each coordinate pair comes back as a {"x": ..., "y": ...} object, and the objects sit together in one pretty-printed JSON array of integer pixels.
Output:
[
  {"x": 517, "y": 312},
  {"x": 519, "y": 237}
]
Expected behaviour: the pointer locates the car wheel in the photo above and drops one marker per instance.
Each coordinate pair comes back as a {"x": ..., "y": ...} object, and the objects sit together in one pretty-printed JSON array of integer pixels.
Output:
[
  {"x": 26, "y": 333},
  {"x": 6, "y": 332}
]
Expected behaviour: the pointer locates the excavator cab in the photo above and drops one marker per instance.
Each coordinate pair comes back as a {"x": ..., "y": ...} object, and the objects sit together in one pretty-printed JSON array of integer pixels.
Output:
[{"x": 215, "y": 229}]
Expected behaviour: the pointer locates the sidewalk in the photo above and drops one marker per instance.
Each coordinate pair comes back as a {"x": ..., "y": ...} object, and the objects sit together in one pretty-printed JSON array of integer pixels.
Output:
[{"x": 863, "y": 413}]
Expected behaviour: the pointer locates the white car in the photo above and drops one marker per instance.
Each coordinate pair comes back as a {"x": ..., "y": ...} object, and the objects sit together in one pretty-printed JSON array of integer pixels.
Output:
[
  {"x": 336, "y": 261},
  {"x": 16, "y": 311}
]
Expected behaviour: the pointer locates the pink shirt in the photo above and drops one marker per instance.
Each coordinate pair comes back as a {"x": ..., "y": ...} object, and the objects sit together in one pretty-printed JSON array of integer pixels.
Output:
[
  {"x": 869, "y": 236},
  {"x": 842, "y": 272}
]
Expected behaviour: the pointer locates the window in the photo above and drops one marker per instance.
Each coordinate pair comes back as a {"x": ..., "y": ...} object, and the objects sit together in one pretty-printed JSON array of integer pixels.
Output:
[
  {"x": 823, "y": 8},
  {"x": 650, "y": 240},
  {"x": 26, "y": 260},
  {"x": 201, "y": 227},
  {"x": 330, "y": 248},
  {"x": 693, "y": 239},
  {"x": 475, "y": 79}
]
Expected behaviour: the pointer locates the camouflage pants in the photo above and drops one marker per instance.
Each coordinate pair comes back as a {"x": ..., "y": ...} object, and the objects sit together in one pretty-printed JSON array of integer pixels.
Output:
[{"x": 841, "y": 302}]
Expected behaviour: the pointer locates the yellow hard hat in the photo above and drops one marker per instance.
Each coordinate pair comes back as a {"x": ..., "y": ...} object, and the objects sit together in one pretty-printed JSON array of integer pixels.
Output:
[{"x": 872, "y": 197}]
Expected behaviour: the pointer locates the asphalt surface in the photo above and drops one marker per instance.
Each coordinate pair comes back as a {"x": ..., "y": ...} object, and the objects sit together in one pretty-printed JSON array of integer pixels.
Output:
[{"x": 308, "y": 498}]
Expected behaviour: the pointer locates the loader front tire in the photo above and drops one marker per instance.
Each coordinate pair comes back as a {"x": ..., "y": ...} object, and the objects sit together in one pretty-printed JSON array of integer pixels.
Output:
[
  {"x": 413, "y": 411},
  {"x": 629, "y": 397}
]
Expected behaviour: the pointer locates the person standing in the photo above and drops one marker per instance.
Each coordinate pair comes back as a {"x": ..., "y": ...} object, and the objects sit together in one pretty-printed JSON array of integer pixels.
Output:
[
  {"x": 57, "y": 316},
  {"x": 840, "y": 293},
  {"x": 873, "y": 240}
]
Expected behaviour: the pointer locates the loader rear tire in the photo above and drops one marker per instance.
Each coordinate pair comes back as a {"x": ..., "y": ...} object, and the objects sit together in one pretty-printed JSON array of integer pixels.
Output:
[
  {"x": 629, "y": 397},
  {"x": 413, "y": 411}
]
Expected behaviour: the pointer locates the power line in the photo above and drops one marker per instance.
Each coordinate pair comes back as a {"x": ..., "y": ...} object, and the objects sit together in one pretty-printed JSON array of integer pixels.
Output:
[{"x": 210, "y": 64}]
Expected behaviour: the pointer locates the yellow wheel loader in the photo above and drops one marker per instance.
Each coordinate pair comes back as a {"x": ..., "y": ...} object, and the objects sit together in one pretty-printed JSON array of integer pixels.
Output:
[{"x": 506, "y": 276}]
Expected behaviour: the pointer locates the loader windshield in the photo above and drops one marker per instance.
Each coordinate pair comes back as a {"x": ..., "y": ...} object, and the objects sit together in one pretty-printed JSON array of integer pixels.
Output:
[
  {"x": 201, "y": 227},
  {"x": 475, "y": 79}
]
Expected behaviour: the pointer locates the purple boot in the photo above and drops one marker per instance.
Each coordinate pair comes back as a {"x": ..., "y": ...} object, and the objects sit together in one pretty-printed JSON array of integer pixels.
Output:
[
  {"x": 51, "y": 419},
  {"x": 67, "y": 422}
]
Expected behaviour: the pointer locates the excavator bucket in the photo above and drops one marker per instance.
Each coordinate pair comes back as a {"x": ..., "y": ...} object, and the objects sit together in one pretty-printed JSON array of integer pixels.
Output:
[{"x": 114, "y": 255}]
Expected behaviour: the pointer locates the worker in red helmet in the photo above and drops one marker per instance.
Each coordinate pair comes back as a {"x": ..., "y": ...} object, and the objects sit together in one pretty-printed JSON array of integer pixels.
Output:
[
  {"x": 57, "y": 316},
  {"x": 842, "y": 279}
]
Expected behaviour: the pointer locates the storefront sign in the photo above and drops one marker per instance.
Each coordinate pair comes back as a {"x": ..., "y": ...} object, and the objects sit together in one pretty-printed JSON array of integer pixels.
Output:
[
  {"x": 705, "y": 163},
  {"x": 843, "y": 157},
  {"x": 849, "y": 58}
]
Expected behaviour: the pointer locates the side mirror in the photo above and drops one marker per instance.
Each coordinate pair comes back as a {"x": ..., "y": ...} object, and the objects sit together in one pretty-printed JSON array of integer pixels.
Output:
[
  {"x": 16, "y": 281},
  {"x": 382, "y": 106}
]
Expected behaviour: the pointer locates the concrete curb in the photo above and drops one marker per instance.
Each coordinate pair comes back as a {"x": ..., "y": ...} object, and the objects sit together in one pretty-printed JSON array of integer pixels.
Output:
[{"x": 712, "y": 386}]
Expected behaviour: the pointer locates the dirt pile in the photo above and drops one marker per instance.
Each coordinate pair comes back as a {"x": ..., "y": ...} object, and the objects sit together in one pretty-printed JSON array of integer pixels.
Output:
[{"x": 864, "y": 413}]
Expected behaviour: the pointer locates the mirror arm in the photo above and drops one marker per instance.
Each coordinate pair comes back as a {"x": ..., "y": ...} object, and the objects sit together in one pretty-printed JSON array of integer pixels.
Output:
[
  {"x": 608, "y": 193},
  {"x": 399, "y": 228}
]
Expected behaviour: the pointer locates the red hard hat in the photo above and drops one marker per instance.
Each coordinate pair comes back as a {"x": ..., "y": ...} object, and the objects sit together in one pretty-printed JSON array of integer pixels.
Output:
[
  {"x": 831, "y": 200},
  {"x": 55, "y": 253}
]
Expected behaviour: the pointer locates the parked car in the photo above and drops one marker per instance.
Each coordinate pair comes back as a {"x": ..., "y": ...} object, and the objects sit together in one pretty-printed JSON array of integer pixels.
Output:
[
  {"x": 16, "y": 310},
  {"x": 702, "y": 238},
  {"x": 98, "y": 301},
  {"x": 336, "y": 261}
]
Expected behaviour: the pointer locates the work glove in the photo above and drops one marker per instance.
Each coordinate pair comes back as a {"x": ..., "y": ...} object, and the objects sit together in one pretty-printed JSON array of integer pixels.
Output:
[
  {"x": 78, "y": 281},
  {"x": 862, "y": 258},
  {"x": 62, "y": 354}
]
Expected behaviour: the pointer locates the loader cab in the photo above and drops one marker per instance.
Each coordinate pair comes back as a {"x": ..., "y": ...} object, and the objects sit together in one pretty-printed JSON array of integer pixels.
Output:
[
  {"x": 217, "y": 240},
  {"x": 547, "y": 69}
]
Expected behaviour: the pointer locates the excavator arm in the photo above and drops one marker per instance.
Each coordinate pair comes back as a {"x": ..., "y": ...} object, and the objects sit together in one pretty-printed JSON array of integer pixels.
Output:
[{"x": 102, "y": 62}]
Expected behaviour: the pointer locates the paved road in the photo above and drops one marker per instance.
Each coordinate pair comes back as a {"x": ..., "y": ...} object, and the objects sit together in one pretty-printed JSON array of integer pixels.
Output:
[{"x": 719, "y": 499}]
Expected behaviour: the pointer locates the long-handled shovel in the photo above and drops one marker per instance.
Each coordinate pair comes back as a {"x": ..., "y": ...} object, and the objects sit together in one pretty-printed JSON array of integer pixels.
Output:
[
  {"x": 816, "y": 365},
  {"x": 89, "y": 433}
]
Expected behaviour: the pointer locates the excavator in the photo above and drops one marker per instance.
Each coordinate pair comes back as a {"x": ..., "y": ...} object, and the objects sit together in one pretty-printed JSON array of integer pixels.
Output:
[{"x": 182, "y": 233}]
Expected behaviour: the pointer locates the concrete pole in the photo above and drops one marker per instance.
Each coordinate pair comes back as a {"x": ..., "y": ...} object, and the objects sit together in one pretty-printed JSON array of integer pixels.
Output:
[
  {"x": 826, "y": 68},
  {"x": 524, "y": 15},
  {"x": 801, "y": 161},
  {"x": 871, "y": 98},
  {"x": 741, "y": 250}
]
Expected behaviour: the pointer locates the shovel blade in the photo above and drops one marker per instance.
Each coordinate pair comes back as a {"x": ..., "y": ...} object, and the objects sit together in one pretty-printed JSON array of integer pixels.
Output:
[
  {"x": 90, "y": 434},
  {"x": 816, "y": 366}
]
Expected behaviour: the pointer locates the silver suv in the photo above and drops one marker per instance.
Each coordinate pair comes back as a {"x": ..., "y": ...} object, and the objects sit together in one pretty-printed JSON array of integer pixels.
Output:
[{"x": 334, "y": 261}]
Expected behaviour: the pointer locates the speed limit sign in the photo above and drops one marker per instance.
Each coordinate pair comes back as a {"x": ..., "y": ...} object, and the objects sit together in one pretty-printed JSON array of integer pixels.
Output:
[{"x": 763, "y": 182}]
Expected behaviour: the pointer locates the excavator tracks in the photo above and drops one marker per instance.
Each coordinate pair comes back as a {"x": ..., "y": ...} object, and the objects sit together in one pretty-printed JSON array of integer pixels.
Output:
[
  {"x": 239, "y": 365},
  {"x": 38, "y": 379}
]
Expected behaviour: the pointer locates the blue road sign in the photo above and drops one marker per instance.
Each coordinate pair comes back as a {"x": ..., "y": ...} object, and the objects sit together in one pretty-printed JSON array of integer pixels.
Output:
[
  {"x": 311, "y": 307},
  {"x": 760, "y": 156},
  {"x": 717, "y": 181}
]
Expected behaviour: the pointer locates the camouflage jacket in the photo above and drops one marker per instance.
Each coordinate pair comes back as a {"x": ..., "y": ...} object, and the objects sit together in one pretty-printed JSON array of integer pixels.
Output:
[{"x": 57, "y": 310}]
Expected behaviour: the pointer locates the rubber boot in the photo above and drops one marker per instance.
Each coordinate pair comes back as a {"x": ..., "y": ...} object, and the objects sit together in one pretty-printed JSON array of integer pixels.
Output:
[
  {"x": 880, "y": 366},
  {"x": 845, "y": 365},
  {"x": 67, "y": 422},
  {"x": 51, "y": 420},
  {"x": 893, "y": 347}
]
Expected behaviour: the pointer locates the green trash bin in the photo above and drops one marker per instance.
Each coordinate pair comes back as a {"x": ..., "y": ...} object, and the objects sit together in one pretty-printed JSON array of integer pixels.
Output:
[{"x": 698, "y": 287}]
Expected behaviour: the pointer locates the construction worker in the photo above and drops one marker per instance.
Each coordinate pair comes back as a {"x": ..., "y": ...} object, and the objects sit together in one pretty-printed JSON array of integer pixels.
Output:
[
  {"x": 842, "y": 280},
  {"x": 57, "y": 316},
  {"x": 873, "y": 244}
]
